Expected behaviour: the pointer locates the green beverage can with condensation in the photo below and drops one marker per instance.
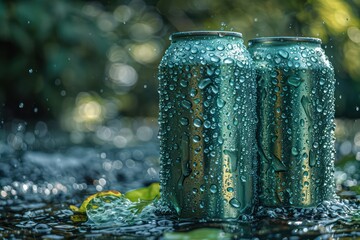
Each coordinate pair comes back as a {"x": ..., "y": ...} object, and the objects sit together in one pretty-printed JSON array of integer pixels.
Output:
[
  {"x": 296, "y": 121},
  {"x": 207, "y": 120}
]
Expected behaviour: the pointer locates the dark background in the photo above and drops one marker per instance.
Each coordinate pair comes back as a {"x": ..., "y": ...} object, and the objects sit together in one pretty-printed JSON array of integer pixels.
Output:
[{"x": 82, "y": 63}]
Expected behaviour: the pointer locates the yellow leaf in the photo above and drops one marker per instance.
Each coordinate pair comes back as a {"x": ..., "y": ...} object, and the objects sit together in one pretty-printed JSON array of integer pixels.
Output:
[{"x": 82, "y": 208}]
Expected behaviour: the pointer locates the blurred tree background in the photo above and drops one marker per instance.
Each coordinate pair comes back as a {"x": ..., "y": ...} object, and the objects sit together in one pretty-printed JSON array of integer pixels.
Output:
[{"x": 82, "y": 63}]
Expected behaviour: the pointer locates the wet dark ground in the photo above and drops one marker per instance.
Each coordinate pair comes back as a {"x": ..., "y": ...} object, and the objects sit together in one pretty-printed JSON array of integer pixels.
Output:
[{"x": 42, "y": 173}]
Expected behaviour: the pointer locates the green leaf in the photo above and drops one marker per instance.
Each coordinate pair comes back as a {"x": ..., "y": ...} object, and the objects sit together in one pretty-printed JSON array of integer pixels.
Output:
[{"x": 149, "y": 193}]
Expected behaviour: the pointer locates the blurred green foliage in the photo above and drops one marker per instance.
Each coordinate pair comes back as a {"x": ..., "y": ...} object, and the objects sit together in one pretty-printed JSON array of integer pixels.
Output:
[{"x": 83, "y": 63}]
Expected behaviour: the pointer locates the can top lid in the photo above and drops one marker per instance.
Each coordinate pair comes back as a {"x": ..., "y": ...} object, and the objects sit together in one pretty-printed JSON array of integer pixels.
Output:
[
  {"x": 284, "y": 39},
  {"x": 204, "y": 33}
]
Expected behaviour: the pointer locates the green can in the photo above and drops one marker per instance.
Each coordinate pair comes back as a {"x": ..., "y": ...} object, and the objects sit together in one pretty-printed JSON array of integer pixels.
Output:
[
  {"x": 207, "y": 95},
  {"x": 296, "y": 121}
]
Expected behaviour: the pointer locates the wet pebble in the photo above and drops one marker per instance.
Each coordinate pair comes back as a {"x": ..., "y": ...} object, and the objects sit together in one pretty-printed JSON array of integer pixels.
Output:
[
  {"x": 52, "y": 236},
  {"x": 42, "y": 228},
  {"x": 26, "y": 224},
  {"x": 164, "y": 223}
]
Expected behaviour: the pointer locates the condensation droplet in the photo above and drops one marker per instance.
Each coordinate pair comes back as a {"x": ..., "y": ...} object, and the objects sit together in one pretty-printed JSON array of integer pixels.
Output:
[
  {"x": 213, "y": 188},
  {"x": 294, "y": 81},
  {"x": 197, "y": 122},
  {"x": 184, "y": 121},
  {"x": 235, "y": 203},
  {"x": 220, "y": 103},
  {"x": 204, "y": 83},
  {"x": 186, "y": 104},
  {"x": 283, "y": 54}
]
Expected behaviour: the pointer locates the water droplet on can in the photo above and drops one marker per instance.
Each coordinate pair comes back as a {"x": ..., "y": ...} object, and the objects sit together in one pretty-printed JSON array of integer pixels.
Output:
[
  {"x": 228, "y": 61},
  {"x": 283, "y": 53},
  {"x": 184, "y": 121},
  {"x": 294, "y": 151},
  {"x": 204, "y": 83},
  {"x": 197, "y": 122},
  {"x": 220, "y": 47},
  {"x": 235, "y": 203},
  {"x": 196, "y": 138},
  {"x": 220, "y": 103},
  {"x": 184, "y": 83},
  {"x": 213, "y": 188},
  {"x": 207, "y": 124},
  {"x": 230, "y": 189},
  {"x": 294, "y": 81},
  {"x": 186, "y": 104},
  {"x": 215, "y": 59}
]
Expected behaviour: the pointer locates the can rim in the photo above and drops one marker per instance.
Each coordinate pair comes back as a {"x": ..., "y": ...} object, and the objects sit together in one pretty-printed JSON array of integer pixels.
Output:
[
  {"x": 204, "y": 33},
  {"x": 285, "y": 39}
]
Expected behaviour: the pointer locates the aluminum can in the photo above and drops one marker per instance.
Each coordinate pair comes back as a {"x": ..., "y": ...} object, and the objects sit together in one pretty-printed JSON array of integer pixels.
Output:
[
  {"x": 207, "y": 119},
  {"x": 296, "y": 121}
]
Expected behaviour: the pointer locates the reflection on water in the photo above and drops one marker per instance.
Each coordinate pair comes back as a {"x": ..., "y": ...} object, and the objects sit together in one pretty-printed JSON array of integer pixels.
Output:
[{"x": 43, "y": 172}]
